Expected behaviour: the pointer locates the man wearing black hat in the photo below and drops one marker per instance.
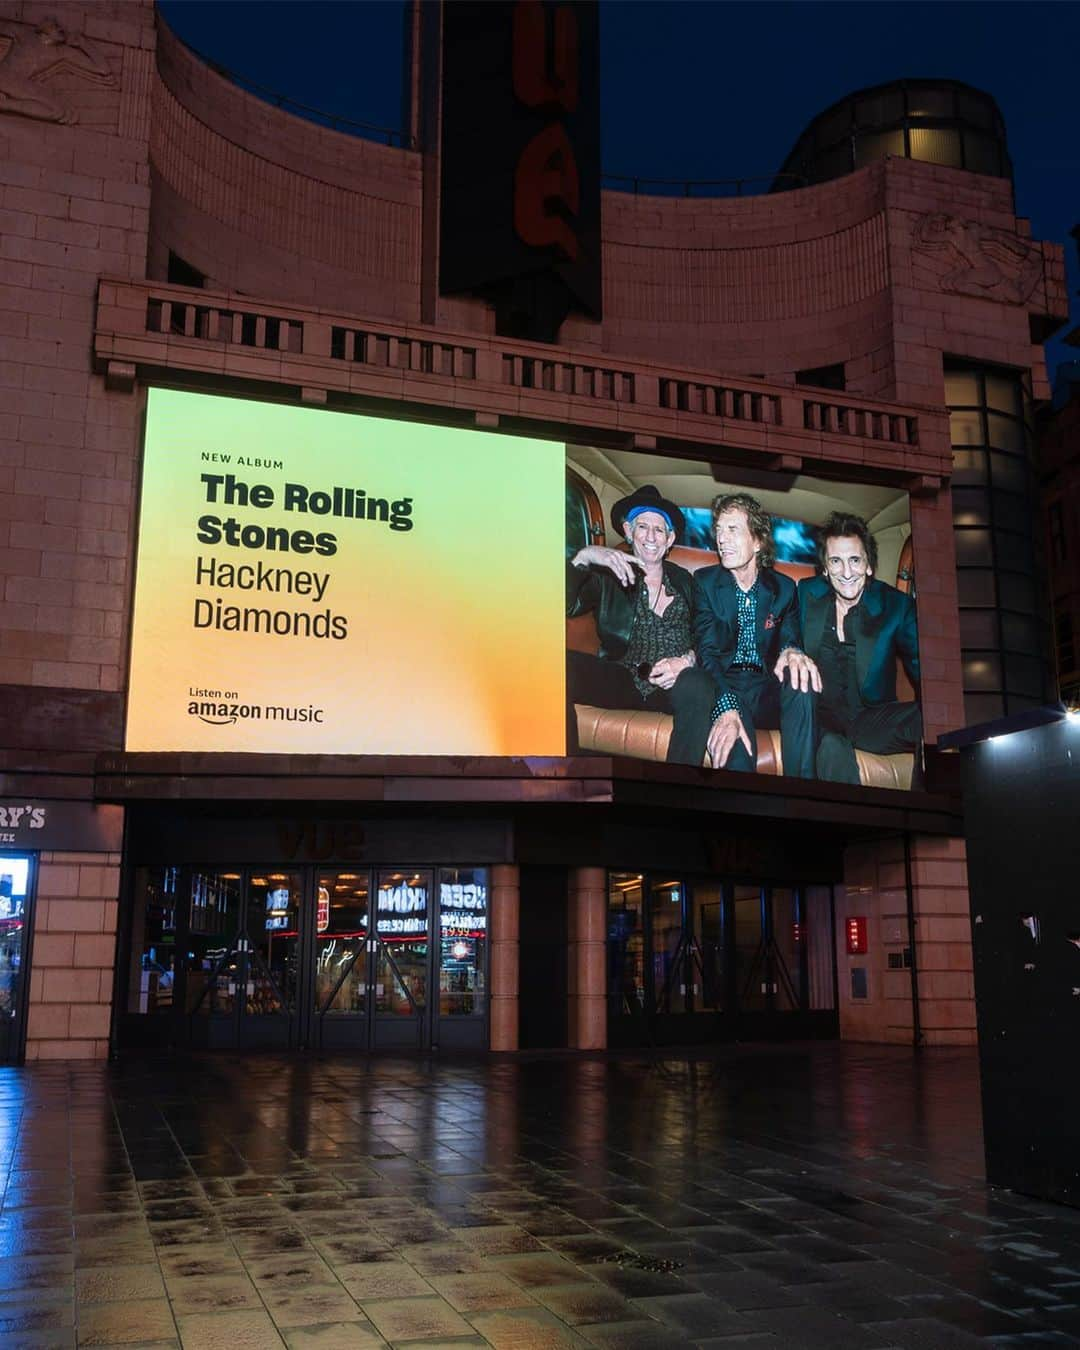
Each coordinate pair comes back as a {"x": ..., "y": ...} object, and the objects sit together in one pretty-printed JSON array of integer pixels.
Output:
[{"x": 644, "y": 617}]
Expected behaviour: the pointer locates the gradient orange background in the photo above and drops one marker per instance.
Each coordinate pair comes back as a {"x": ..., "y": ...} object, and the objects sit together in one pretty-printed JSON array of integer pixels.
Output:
[{"x": 456, "y": 640}]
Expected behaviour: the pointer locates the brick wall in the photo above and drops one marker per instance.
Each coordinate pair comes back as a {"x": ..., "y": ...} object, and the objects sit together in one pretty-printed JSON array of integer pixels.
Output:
[
  {"x": 74, "y": 205},
  {"x": 874, "y": 875},
  {"x": 74, "y": 944}
]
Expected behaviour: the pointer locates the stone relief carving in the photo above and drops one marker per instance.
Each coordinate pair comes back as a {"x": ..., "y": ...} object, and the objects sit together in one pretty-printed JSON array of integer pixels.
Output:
[
  {"x": 30, "y": 58},
  {"x": 981, "y": 260}
]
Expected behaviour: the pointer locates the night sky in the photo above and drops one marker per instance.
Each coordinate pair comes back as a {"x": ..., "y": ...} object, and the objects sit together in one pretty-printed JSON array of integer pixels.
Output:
[{"x": 704, "y": 90}]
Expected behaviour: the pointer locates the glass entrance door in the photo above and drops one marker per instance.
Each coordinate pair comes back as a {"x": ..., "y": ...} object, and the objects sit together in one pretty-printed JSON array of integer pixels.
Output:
[
  {"x": 373, "y": 954},
  {"x": 243, "y": 959},
  {"x": 331, "y": 958},
  {"x": 770, "y": 955},
  {"x": 342, "y": 1012},
  {"x": 700, "y": 959},
  {"x": 401, "y": 952}
]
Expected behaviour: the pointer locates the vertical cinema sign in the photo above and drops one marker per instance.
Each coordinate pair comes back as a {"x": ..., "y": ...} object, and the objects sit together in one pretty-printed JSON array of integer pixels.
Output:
[{"x": 520, "y": 192}]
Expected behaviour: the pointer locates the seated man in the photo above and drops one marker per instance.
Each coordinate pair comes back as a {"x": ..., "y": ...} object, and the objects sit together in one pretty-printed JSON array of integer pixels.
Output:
[
  {"x": 854, "y": 627},
  {"x": 643, "y": 608},
  {"x": 747, "y": 638}
]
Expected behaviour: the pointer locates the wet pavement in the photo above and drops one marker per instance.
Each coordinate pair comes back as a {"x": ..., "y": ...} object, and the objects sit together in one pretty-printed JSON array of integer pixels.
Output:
[{"x": 818, "y": 1197}]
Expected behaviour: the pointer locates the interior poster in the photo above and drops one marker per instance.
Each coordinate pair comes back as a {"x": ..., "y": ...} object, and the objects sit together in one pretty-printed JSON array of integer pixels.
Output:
[{"x": 318, "y": 582}]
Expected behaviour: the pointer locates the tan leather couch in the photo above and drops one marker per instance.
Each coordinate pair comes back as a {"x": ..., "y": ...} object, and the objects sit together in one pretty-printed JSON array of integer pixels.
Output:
[{"x": 645, "y": 735}]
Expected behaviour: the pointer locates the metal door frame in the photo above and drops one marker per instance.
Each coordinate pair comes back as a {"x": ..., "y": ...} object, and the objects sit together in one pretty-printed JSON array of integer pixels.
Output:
[
  {"x": 419, "y": 1027},
  {"x": 14, "y": 1051},
  {"x": 227, "y": 1030}
]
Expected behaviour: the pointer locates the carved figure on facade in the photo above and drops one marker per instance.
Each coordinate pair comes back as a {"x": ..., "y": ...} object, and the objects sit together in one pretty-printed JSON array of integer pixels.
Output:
[
  {"x": 982, "y": 260},
  {"x": 30, "y": 58}
]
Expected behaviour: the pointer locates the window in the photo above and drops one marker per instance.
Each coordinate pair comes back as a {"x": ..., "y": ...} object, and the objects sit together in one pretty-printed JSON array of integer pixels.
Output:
[
  {"x": 822, "y": 377},
  {"x": 584, "y": 516},
  {"x": 936, "y": 121},
  {"x": 1003, "y": 617},
  {"x": 463, "y": 935}
]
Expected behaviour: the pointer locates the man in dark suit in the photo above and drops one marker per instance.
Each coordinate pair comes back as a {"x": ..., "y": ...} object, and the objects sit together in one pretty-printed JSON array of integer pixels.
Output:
[
  {"x": 746, "y": 633},
  {"x": 854, "y": 627}
]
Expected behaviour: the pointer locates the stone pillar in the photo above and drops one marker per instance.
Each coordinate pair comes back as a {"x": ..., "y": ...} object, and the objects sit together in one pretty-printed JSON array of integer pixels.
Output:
[
  {"x": 71, "y": 971},
  {"x": 505, "y": 906},
  {"x": 943, "y": 941},
  {"x": 874, "y": 887},
  {"x": 587, "y": 958}
]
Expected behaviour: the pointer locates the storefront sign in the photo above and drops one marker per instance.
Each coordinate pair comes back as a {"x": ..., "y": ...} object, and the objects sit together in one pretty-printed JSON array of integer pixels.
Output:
[
  {"x": 76, "y": 826},
  {"x": 195, "y": 836}
]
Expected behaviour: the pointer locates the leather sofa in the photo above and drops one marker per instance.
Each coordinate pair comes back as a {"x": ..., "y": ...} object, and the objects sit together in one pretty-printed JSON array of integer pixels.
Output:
[{"x": 645, "y": 735}]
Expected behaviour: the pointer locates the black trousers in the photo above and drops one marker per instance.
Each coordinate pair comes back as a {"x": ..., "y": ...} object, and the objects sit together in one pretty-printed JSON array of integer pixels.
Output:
[
  {"x": 606, "y": 684},
  {"x": 765, "y": 702},
  {"x": 884, "y": 729}
]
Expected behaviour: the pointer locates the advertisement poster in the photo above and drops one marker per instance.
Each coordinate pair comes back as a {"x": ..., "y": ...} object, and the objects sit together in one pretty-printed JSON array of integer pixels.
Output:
[
  {"x": 767, "y": 628},
  {"x": 318, "y": 582}
]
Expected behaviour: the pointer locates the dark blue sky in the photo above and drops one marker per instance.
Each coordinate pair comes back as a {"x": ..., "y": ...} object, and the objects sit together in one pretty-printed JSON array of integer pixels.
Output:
[{"x": 707, "y": 90}]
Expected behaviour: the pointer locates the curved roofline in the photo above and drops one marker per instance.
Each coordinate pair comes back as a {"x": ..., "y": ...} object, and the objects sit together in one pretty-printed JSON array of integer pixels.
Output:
[{"x": 392, "y": 136}]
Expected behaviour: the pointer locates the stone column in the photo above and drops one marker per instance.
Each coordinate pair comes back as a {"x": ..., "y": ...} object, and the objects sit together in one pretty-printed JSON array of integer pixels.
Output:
[
  {"x": 505, "y": 906},
  {"x": 587, "y": 957},
  {"x": 874, "y": 886},
  {"x": 71, "y": 973}
]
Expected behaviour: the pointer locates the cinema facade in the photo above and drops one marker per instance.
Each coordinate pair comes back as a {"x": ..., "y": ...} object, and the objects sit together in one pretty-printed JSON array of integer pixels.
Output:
[{"x": 289, "y": 490}]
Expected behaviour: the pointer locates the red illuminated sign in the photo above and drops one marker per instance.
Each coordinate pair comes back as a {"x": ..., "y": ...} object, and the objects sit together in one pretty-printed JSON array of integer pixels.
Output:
[
  {"x": 545, "y": 77},
  {"x": 856, "y": 935},
  {"x": 519, "y": 219}
]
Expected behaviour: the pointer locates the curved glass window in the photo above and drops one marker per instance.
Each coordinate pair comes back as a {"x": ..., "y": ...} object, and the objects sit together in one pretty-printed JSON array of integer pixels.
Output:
[
  {"x": 936, "y": 121},
  {"x": 1004, "y": 631}
]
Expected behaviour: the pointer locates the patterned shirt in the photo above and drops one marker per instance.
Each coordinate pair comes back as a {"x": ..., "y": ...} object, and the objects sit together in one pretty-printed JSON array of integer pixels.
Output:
[
  {"x": 655, "y": 636},
  {"x": 746, "y": 651}
]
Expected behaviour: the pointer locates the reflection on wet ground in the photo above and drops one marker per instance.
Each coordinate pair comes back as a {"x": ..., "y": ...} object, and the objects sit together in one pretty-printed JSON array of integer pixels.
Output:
[{"x": 798, "y": 1196}]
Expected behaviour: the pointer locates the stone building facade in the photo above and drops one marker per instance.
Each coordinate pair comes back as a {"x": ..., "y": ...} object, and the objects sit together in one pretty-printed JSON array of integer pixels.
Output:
[{"x": 124, "y": 160}]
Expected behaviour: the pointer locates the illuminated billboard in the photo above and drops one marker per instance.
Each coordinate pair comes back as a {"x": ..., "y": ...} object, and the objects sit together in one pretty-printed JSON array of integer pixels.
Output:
[
  {"x": 311, "y": 581},
  {"x": 767, "y": 629},
  {"x": 316, "y": 582}
]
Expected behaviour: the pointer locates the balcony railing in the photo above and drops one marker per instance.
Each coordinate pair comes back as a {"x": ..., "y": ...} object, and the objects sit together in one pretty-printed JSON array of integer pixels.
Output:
[{"x": 152, "y": 329}]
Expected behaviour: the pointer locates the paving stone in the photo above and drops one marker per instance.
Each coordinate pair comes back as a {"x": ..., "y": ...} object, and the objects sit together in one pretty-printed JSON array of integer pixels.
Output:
[
  {"x": 481, "y": 1292},
  {"x": 926, "y": 1333},
  {"x": 334, "y": 1336},
  {"x": 248, "y": 1329},
  {"x": 638, "y": 1335},
  {"x": 382, "y": 1279},
  {"x": 125, "y": 1323},
  {"x": 580, "y": 1303},
  {"x": 695, "y": 1315},
  {"x": 314, "y": 1303},
  {"x": 819, "y": 1329},
  {"x": 211, "y": 1293},
  {"x": 535, "y": 1271},
  {"x": 412, "y": 1319},
  {"x": 111, "y": 1284},
  {"x": 498, "y": 1240},
  {"x": 526, "y": 1329}
]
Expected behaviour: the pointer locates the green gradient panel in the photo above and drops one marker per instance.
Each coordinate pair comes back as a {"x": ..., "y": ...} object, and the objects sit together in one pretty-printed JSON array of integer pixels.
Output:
[{"x": 444, "y": 638}]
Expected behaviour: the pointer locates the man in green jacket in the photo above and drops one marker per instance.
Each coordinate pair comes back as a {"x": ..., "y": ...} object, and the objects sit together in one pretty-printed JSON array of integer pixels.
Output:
[{"x": 855, "y": 628}]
